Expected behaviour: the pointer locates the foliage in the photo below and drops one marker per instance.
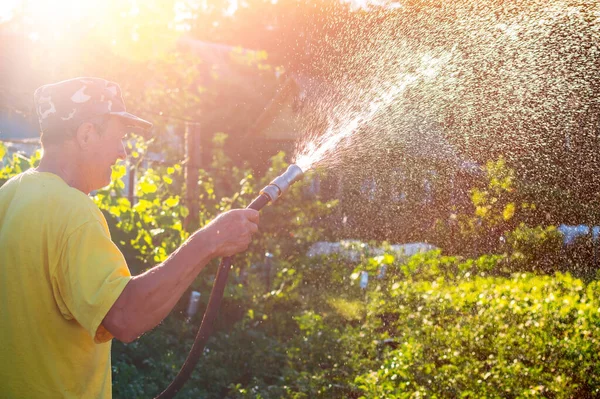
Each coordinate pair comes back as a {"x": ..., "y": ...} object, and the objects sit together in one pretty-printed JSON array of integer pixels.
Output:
[
  {"x": 495, "y": 222},
  {"x": 479, "y": 227},
  {"x": 152, "y": 227},
  {"x": 436, "y": 326},
  {"x": 479, "y": 336},
  {"x": 15, "y": 163},
  {"x": 536, "y": 249}
]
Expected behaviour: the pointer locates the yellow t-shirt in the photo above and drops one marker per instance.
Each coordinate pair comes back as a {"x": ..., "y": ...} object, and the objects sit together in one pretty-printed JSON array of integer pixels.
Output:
[{"x": 60, "y": 273}]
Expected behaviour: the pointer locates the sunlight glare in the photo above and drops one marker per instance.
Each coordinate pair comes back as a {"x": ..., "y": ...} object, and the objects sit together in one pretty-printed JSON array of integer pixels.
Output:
[{"x": 58, "y": 12}]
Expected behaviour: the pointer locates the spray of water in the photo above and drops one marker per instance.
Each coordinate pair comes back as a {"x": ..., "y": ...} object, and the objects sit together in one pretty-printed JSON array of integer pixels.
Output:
[
  {"x": 316, "y": 149},
  {"x": 518, "y": 80},
  {"x": 324, "y": 147}
]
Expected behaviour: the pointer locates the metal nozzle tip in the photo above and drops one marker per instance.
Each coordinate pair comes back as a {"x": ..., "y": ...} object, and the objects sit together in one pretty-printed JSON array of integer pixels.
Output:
[
  {"x": 294, "y": 173},
  {"x": 283, "y": 182}
]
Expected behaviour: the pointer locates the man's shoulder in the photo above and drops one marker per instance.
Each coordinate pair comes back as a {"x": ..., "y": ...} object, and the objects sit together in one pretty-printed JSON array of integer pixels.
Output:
[
  {"x": 74, "y": 204},
  {"x": 57, "y": 198}
]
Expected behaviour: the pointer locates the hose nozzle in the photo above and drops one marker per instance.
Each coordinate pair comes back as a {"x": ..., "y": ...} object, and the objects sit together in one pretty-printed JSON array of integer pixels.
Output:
[{"x": 282, "y": 183}]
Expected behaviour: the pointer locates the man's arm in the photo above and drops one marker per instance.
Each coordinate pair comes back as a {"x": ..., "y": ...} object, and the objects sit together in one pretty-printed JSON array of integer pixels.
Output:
[{"x": 148, "y": 298}]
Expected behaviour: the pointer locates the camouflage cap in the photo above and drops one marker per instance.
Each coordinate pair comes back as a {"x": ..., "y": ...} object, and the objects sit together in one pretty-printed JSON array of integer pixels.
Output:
[{"x": 74, "y": 101}]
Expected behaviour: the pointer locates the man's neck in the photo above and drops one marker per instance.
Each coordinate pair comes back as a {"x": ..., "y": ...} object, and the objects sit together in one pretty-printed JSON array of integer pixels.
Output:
[{"x": 62, "y": 165}]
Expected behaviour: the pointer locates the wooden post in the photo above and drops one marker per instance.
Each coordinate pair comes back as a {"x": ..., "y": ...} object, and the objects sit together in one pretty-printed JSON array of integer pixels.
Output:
[
  {"x": 131, "y": 184},
  {"x": 192, "y": 149}
]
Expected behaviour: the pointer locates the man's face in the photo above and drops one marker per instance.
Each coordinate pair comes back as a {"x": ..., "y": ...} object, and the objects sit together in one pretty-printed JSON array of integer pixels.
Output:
[{"x": 104, "y": 150}]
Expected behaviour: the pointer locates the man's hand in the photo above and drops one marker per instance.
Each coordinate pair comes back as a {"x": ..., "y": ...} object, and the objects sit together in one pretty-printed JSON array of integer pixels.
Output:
[{"x": 231, "y": 232}]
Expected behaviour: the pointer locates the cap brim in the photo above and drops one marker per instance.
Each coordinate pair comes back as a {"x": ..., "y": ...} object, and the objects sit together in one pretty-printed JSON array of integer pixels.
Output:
[{"x": 134, "y": 121}]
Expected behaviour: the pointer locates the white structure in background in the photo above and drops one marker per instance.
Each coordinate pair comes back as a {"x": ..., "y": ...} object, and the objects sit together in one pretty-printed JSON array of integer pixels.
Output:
[
  {"x": 570, "y": 233},
  {"x": 193, "y": 304},
  {"x": 364, "y": 279},
  {"x": 352, "y": 250}
]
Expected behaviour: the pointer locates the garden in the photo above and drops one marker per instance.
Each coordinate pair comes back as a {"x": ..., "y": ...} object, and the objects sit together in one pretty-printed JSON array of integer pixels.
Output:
[
  {"x": 469, "y": 129},
  {"x": 503, "y": 324}
]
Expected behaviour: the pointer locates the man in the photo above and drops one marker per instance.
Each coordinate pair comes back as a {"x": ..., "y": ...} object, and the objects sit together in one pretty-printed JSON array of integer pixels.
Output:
[{"x": 65, "y": 289}]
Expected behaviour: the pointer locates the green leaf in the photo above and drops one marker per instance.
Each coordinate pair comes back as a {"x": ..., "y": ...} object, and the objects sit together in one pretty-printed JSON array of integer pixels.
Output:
[
  {"x": 481, "y": 211},
  {"x": 142, "y": 206},
  {"x": 148, "y": 187},
  {"x": 509, "y": 211},
  {"x": 172, "y": 201},
  {"x": 184, "y": 211},
  {"x": 3, "y": 150},
  {"x": 118, "y": 171}
]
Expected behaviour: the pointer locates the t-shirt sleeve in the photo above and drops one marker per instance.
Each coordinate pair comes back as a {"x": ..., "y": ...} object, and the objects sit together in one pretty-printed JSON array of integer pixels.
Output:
[{"x": 91, "y": 275}]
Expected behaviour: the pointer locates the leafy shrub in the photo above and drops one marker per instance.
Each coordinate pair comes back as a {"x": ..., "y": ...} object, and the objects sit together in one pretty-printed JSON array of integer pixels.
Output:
[
  {"x": 535, "y": 249},
  {"x": 434, "y": 326},
  {"x": 15, "y": 164},
  {"x": 479, "y": 336}
]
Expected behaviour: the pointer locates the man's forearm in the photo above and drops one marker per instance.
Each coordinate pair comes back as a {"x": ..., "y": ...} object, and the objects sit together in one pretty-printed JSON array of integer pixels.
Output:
[{"x": 149, "y": 297}]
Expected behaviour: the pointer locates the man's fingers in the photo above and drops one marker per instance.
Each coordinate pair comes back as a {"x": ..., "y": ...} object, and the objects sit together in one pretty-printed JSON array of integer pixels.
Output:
[
  {"x": 238, "y": 226},
  {"x": 253, "y": 227},
  {"x": 251, "y": 215}
]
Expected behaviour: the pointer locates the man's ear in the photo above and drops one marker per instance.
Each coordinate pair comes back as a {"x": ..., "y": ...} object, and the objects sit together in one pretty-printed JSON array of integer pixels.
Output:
[{"x": 84, "y": 134}]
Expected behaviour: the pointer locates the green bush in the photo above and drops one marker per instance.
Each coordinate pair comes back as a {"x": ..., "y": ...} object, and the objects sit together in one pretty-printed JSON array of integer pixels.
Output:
[
  {"x": 434, "y": 326},
  {"x": 535, "y": 249},
  {"x": 478, "y": 336}
]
